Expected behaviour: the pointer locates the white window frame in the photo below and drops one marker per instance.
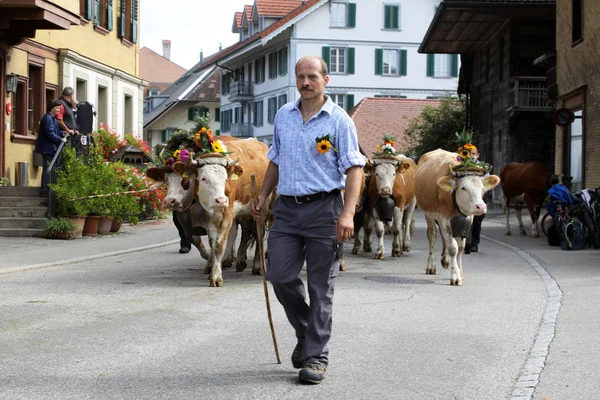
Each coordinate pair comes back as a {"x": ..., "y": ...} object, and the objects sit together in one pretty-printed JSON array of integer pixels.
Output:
[
  {"x": 442, "y": 65},
  {"x": 393, "y": 58},
  {"x": 339, "y": 99},
  {"x": 338, "y": 14},
  {"x": 334, "y": 60}
]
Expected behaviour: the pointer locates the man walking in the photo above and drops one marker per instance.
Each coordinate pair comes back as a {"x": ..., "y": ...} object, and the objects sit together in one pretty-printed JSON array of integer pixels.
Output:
[{"x": 314, "y": 156}]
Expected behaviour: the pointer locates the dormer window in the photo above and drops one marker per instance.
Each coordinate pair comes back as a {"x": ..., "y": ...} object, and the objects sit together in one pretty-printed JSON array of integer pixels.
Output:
[{"x": 153, "y": 91}]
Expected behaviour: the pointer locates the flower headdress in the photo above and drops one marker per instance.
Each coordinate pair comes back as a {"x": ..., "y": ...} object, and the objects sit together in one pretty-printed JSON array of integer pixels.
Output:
[
  {"x": 468, "y": 165},
  {"x": 387, "y": 149},
  {"x": 205, "y": 145},
  {"x": 180, "y": 147}
]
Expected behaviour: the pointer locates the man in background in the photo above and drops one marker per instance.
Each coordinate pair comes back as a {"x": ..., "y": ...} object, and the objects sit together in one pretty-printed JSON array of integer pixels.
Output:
[{"x": 66, "y": 117}]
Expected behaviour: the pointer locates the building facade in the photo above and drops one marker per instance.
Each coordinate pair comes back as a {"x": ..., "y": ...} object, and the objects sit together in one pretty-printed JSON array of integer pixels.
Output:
[{"x": 96, "y": 53}]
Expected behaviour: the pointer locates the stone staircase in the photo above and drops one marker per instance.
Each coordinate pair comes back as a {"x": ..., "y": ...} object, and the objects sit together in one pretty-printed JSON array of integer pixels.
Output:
[{"x": 22, "y": 211}]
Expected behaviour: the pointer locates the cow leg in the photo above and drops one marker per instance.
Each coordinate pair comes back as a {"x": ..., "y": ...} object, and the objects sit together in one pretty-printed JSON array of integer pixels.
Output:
[
  {"x": 256, "y": 266},
  {"x": 445, "y": 259},
  {"x": 356, "y": 249},
  {"x": 533, "y": 213},
  {"x": 342, "y": 262},
  {"x": 407, "y": 224},
  {"x": 451, "y": 251},
  {"x": 197, "y": 242},
  {"x": 219, "y": 235},
  {"x": 431, "y": 234},
  {"x": 367, "y": 248},
  {"x": 380, "y": 231},
  {"x": 229, "y": 255},
  {"x": 397, "y": 231},
  {"x": 248, "y": 232},
  {"x": 507, "y": 214}
]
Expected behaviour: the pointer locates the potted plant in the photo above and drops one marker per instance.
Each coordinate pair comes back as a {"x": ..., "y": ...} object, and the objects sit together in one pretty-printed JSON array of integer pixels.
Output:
[
  {"x": 59, "y": 228},
  {"x": 4, "y": 181}
]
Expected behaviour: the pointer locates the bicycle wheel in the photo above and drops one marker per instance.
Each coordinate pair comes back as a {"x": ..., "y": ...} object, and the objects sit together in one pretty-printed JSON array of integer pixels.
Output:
[{"x": 546, "y": 222}]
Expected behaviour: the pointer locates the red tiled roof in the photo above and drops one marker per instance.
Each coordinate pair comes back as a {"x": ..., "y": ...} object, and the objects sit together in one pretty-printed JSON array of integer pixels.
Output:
[
  {"x": 276, "y": 8},
  {"x": 248, "y": 12},
  {"x": 378, "y": 116},
  {"x": 237, "y": 20},
  {"x": 156, "y": 68}
]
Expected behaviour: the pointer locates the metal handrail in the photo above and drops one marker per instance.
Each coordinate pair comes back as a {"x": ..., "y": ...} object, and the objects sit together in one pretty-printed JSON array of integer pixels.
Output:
[{"x": 51, "y": 212}]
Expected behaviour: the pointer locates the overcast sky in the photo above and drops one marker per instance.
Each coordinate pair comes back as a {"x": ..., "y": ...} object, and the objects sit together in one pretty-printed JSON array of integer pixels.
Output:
[{"x": 190, "y": 25}]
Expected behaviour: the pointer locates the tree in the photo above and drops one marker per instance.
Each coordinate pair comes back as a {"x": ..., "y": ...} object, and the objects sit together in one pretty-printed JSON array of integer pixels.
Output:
[{"x": 435, "y": 128}]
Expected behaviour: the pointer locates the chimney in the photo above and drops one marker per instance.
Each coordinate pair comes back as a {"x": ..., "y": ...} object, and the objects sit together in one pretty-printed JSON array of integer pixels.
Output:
[
  {"x": 167, "y": 49},
  {"x": 220, "y": 47},
  {"x": 201, "y": 55}
]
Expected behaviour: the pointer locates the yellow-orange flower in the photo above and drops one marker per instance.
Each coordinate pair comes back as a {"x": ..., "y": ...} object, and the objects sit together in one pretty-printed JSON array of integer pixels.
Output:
[
  {"x": 469, "y": 146},
  {"x": 464, "y": 154},
  {"x": 216, "y": 146},
  {"x": 323, "y": 146},
  {"x": 209, "y": 134},
  {"x": 203, "y": 129},
  {"x": 379, "y": 148},
  {"x": 177, "y": 154},
  {"x": 390, "y": 142}
]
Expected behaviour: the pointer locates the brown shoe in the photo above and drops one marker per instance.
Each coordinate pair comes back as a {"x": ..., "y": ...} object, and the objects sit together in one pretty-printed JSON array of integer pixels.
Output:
[{"x": 312, "y": 373}]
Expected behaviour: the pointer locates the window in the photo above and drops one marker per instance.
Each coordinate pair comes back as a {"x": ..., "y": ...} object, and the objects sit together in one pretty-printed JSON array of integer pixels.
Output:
[
  {"x": 194, "y": 112},
  {"x": 103, "y": 13},
  {"x": 166, "y": 134},
  {"x": 102, "y": 106},
  {"x": 575, "y": 153},
  {"x": 153, "y": 91},
  {"x": 225, "y": 83},
  {"x": 128, "y": 20},
  {"x": 271, "y": 109},
  {"x": 257, "y": 113},
  {"x": 273, "y": 65},
  {"x": 442, "y": 65},
  {"x": 18, "y": 121},
  {"x": 281, "y": 100},
  {"x": 283, "y": 61},
  {"x": 346, "y": 101},
  {"x": 217, "y": 114},
  {"x": 390, "y": 62},
  {"x": 226, "y": 117},
  {"x": 80, "y": 89},
  {"x": 339, "y": 59},
  {"x": 259, "y": 70},
  {"x": 576, "y": 21},
  {"x": 128, "y": 114},
  {"x": 342, "y": 15},
  {"x": 391, "y": 16}
]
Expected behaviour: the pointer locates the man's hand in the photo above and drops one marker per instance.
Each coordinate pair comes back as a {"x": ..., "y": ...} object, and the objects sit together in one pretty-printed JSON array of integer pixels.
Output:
[
  {"x": 344, "y": 227},
  {"x": 64, "y": 140},
  {"x": 255, "y": 209}
]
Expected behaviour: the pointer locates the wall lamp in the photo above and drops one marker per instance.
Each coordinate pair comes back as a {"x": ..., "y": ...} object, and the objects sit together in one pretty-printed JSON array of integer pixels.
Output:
[{"x": 12, "y": 81}]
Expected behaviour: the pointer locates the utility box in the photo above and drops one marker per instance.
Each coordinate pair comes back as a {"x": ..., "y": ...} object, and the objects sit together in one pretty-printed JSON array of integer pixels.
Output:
[
  {"x": 85, "y": 117},
  {"x": 22, "y": 173}
]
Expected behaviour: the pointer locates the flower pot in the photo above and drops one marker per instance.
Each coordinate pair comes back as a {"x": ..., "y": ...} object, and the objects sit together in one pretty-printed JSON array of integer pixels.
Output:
[
  {"x": 104, "y": 225},
  {"x": 79, "y": 223},
  {"x": 90, "y": 228},
  {"x": 115, "y": 226}
]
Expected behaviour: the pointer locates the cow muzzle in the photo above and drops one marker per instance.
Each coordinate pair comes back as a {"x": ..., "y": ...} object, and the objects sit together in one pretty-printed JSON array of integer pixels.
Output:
[
  {"x": 480, "y": 209},
  {"x": 385, "y": 193},
  {"x": 171, "y": 203},
  {"x": 221, "y": 202}
]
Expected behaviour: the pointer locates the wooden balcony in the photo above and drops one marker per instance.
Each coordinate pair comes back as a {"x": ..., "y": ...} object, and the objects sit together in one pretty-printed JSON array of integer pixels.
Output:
[
  {"x": 241, "y": 91},
  {"x": 529, "y": 93}
]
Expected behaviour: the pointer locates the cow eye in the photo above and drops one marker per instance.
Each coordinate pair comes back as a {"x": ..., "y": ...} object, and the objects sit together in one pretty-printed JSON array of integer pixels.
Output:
[
  {"x": 203, "y": 180},
  {"x": 463, "y": 188}
]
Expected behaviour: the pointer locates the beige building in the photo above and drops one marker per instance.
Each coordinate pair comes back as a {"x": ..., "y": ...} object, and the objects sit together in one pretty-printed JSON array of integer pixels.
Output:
[
  {"x": 90, "y": 46},
  {"x": 578, "y": 80}
]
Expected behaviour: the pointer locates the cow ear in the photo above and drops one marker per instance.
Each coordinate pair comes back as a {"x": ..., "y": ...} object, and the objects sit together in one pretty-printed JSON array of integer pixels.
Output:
[
  {"x": 180, "y": 168},
  {"x": 490, "y": 182},
  {"x": 403, "y": 167},
  {"x": 156, "y": 174},
  {"x": 447, "y": 183},
  {"x": 235, "y": 169}
]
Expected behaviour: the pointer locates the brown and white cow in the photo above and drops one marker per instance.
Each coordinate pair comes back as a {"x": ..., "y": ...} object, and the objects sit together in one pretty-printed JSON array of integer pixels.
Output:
[
  {"x": 528, "y": 184},
  {"x": 223, "y": 188},
  {"x": 393, "y": 182},
  {"x": 449, "y": 200}
]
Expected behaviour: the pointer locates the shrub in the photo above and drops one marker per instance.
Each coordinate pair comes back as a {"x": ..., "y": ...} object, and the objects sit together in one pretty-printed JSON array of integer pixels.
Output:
[
  {"x": 59, "y": 227},
  {"x": 107, "y": 141}
]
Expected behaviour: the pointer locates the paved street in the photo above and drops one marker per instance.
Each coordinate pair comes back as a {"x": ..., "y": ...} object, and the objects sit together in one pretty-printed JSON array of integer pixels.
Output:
[{"x": 128, "y": 317}]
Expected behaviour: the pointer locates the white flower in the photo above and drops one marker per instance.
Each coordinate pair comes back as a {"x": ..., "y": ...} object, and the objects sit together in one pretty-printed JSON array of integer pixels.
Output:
[
  {"x": 222, "y": 146},
  {"x": 388, "y": 146}
]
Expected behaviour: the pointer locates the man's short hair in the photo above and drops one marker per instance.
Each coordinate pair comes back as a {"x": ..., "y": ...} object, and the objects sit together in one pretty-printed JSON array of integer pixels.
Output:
[
  {"x": 52, "y": 104},
  {"x": 68, "y": 91},
  {"x": 324, "y": 70}
]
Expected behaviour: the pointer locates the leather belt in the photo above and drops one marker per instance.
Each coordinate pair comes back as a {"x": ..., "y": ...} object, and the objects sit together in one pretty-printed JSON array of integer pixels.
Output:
[{"x": 309, "y": 198}]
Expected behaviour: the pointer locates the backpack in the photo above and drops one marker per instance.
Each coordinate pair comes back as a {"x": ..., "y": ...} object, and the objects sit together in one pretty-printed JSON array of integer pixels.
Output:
[
  {"x": 553, "y": 235},
  {"x": 574, "y": 235}
]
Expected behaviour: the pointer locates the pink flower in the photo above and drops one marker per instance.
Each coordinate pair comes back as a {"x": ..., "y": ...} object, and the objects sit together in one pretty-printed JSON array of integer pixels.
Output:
[{"x": 184, "y": 155}]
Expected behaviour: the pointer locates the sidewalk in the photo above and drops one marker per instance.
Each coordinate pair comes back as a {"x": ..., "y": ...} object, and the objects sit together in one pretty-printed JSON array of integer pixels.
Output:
[{"x": 23, "y": 253}]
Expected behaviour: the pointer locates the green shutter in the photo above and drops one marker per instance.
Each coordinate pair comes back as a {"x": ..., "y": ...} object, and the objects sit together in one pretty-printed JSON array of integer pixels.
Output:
[
  {"x": 217, "y": 114},
  {"x": 163, "y": 135},
  {"x": 109, "y": 15},
  {"x": 134, "y": 22},
  {"x": 97, "y": 12},
  {"x": 349, "y": 102},
  {"x": 454, "y": 65},
  {"x": 395, "y": 17},
  {"x": 190, "y": 114},
  {"x": 350, "y": 60},
  {"x": 403, "y": 62},
  {"x": 122, "y": 20},
  {"x": 218, "y": 132},
  {"x": 430, "y": 64},
  {"x": 387, "y": 17},
  {"x": 326, "y": 52},
  {"x": 378, "y": 61},
  {"x": 351, "y": 15},
  {"x": 88, "y": 9}
]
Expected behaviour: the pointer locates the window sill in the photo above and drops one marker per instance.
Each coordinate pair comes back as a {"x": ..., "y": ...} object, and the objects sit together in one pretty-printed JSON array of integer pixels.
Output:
[
  {"x": 126, "y": 42},
  {"x": 83, "y": 21},
  {"x": 577, "y": 42},
  {"x": 22, "y": 139},
  {"x": 391, "y": 29},
  {"x": 101, "y": 30}
]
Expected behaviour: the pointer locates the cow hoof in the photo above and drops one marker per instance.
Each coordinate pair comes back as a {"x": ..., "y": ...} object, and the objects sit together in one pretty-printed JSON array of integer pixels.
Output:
[
  {"x": 406, "y": 248},
  {"x": 523, "y": 233},
  {"x": 430, "y": 271},
  {"x": 455, "y": 282},
  {"x": 535, "y": 235},
  {"x": 379, "y": 256},
  {"x": 239, "y": 267},
  {"x": 342, "y": 267},
  {"x": 256, "y": 271},
  {"x": 396, "y": 253},
  {"x": 367, "y": 249},
  {"x": 445, "y": 265},
  {"x": 226, "y": 264},
  {"x": 356, "y": 251},
  {"x": 216, "y": 283},
  {"x": 507, "y": 233}
]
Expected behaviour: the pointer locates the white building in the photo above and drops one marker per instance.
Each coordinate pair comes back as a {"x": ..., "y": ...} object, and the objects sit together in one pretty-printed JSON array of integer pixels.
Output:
[{"x": 370, "y": 46}]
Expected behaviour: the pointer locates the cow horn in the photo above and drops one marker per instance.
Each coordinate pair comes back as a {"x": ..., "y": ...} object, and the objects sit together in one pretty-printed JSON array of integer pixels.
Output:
[{"x": 232, "y": 162}]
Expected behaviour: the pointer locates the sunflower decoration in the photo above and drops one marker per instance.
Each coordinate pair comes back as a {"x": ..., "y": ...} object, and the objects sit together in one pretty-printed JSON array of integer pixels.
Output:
[
  {"x": 324, "y": 144},
  {"x": 467, "y": 163},
  {"x": 388, "y": 148},
  {"x": 179, "y": 147},
  {"x": 204, "y": 143}
]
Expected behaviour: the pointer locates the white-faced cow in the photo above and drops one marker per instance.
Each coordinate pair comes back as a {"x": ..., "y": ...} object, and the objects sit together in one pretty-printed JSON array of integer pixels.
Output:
[
  {"x": 222, "y": 187},
  {"x": 527, "y": 183},
  {"x": 391, "y": 201},
  {"x": 450, "y": 201}
]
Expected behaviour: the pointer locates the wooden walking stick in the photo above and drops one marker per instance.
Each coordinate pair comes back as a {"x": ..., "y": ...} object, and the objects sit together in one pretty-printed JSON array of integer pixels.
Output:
[{"x": 261, "y": 251}]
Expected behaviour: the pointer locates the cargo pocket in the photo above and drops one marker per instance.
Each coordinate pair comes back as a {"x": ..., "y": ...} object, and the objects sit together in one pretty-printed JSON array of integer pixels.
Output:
[{"x": 337, "y": 256}]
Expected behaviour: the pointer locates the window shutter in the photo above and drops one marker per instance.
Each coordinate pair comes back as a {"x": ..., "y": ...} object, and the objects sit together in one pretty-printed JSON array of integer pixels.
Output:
[
  {"x": 349, "y": 102},
  {"x": 89, "y": 7},
  {"x": 403, "y": 56},
  {"x": 378, "y": 61},
  {"x": 217, "y": 114},
  {"x": 395, "y": 17},
  {"x": 454, "y": 65},
  {"x": 97, "y": 12},
  {"x": 430, "y": 64},
  {"x": 109, "y": 15},
  {"x": 387, "y": 17},
  {"x": 351, "y": 15},
  {"x": 134, "y": 22},
  {"x": 122, "y": 20},
  {"x": 350, "y": 67},
  {"x": 163, "y": 135},
  {"x": 326, "y": 52}
]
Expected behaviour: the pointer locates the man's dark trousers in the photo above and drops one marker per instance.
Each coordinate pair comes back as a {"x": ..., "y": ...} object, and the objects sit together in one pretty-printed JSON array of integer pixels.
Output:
[{"x": 299, "y": 232}]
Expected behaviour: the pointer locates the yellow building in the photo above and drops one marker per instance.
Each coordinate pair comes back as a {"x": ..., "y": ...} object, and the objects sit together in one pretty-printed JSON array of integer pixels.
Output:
[{"x": 48, "y": 45}]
